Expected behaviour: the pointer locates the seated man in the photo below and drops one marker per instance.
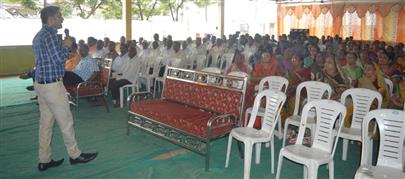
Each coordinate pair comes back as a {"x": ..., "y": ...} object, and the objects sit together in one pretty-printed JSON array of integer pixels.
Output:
[
  {"x": 129, "y": 74},
  {"x": 86, "y": 70}
]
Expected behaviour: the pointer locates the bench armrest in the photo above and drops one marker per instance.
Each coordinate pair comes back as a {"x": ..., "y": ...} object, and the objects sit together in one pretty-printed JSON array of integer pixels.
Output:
[
  {"x": 89, "y": 83},
  {"x": 137, "y": 96},
  {"x": 223, "y": 120}
]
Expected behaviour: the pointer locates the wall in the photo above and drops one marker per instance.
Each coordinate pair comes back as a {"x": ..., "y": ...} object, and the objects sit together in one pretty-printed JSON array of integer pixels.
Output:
[{"x": 15, "y": 60}]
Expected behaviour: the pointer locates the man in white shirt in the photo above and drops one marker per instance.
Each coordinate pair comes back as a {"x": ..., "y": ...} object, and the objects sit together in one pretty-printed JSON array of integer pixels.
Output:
[
  {"x": 120, "y": 61},
  {"x": 100, "y": 52},
  {"x": 129, "y": 74}
]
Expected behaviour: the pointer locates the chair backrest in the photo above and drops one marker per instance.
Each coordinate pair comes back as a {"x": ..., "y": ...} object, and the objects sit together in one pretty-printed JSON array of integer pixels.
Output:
[
  {"x": 390, "y": 86},
  {"x": 225, "y": 61},
  {"x": 212, "y": 70},
  {"x": 391, "y": 125},
  {"x": 362, "y": 100},
  {"x": 105, "y": 73},
  {"x": 327, "y": 113},
  {"x": 277, "y": 83},
  {"x": 315, "y": 90},
  {"x": 275, "y": 100}
]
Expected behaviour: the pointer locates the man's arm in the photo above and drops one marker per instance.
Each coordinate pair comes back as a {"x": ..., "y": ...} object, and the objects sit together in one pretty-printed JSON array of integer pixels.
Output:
[{"x": 57, "y": 52}]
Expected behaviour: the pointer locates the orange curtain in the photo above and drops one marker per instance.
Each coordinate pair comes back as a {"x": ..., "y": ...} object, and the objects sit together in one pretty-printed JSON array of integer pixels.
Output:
[
  {"x": 401, "y": 26},
  {"x": 378, "y": 29},
  {"x": 388, "y": 23},
  {"x": 363, "y": 28},
  {"x": 337, "y": 24}
]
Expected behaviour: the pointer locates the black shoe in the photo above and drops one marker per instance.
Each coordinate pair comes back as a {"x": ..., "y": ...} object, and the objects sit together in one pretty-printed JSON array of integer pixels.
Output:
[
  {"x": 24, "y": 76},
  {"x": 30, "y": 88},
  {"x": 83, "y": 158},
  {"x": 44, "y": 166}
]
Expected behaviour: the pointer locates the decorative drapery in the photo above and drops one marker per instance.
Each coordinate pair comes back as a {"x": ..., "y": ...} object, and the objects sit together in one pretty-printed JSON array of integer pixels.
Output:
[{"x": 363, "y": 21}]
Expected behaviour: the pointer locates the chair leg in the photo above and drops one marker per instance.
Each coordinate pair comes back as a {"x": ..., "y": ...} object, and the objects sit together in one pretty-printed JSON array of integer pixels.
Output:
[
  {"x": 285, "y": 132},
  {"x": 272, "y": 155},
  {"x": 228, "y": 151},
  {"x": 105, "y": 103},
  {"x": 121, "y": 97},
  {"x": 305, "y": 172},
  {"x": 312, "y": 171},
  {"x": 208, "y": 155},
  {"x": 344, "y": 149},
  {"x": 247, "y": 160},
  {"x": 77, "y": 104},
  {"x": 280, "y": 134},
  {"x": 240, "y": 149},
  {"x": 258, "y": 150},
  {"x": 331, "y": 169},
  {"x": 279, "y": 165}
]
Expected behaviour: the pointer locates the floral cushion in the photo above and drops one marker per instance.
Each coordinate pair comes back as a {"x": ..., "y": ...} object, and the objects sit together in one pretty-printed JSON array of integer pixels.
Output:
[
  {"x": 179, "y": 116},
  {"x": 209, "y": 98}
]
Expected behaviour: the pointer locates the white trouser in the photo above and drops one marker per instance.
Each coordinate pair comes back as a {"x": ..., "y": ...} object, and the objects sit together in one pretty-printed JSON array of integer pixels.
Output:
[{"x": 54, "y": 104}]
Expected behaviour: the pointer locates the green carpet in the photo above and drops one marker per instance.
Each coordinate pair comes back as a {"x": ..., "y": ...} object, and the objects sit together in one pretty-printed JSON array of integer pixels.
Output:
[
  {"x": 133, "y": 156},
  {"x": 13, "y": 92}
]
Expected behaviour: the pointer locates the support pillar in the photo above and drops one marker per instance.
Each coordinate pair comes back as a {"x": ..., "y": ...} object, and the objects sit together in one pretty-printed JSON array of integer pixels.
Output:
[
  {"x": 127, "y": 18},
  {"x": 221, "y": 7}
]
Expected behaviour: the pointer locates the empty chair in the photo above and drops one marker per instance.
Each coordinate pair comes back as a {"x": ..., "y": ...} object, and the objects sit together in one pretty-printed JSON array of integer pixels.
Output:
[
  {"x": 249, "y": 135},
  {"x": 276, "y": 83},
  {"x": 391, "y": 125},
  {"x": 362, "y": 100},
  {"x": 225, "y": 61},
  {"x": 323, "y": 147},
  {"x": 315, "y": 90}
]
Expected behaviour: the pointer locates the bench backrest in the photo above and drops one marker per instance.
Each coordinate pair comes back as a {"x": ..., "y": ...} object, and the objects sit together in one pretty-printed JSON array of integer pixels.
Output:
[{"x": 212, "y": 92}]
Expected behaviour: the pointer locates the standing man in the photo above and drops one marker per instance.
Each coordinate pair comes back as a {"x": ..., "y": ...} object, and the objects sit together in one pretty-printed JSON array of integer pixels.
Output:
[{"x": 50, "y": 55}]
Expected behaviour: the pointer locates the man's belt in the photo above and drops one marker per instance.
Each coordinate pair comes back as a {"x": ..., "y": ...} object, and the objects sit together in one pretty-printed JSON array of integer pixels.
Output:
[{"x": 49, "y": 81}]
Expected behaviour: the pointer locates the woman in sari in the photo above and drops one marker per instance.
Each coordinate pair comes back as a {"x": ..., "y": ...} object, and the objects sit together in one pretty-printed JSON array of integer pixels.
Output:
[
  {"x": 296, "y": 75},
  {"x": 373, "y": 79},
  {"x": 333, "y": 76},
  {"x": 268, "y": 66}
]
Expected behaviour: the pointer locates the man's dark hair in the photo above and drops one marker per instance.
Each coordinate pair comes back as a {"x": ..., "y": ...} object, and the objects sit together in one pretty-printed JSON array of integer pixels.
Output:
[{"x": 47, "y": 12}]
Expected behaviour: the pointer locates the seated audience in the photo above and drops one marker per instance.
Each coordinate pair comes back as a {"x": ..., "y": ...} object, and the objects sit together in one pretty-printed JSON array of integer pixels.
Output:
[
  {"x": 128, "y": 75},
  {"x": 86, "y": 70},
  {"x": 238, "y": 63}
]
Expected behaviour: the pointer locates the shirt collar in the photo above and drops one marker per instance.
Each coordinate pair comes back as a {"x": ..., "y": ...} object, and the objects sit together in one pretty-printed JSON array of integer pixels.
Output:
[{"x": 46, "y": 27}]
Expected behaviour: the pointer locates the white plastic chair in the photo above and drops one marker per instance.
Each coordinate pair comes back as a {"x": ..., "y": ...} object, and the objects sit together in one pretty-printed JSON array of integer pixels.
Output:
[
  {"x": 315, "y": 90},
  {"x": 144, "y": 75},
  {"x": 126, "y": 90},
  {"x": 323, "y": 147},
  {"x": 276, "y": 83},
  {"x": 212, "y": 70},
  {"x": 390, "y": 86},
  {"x": 249, "y": 135},
  {"x": 391, "y": 125},
  {"x": 225, "y": 61},
  {"x": 362, "y": 100}
]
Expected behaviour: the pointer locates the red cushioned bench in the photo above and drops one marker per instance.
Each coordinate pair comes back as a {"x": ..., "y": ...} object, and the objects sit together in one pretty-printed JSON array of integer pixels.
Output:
[{"x": 195, "y": 109}]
